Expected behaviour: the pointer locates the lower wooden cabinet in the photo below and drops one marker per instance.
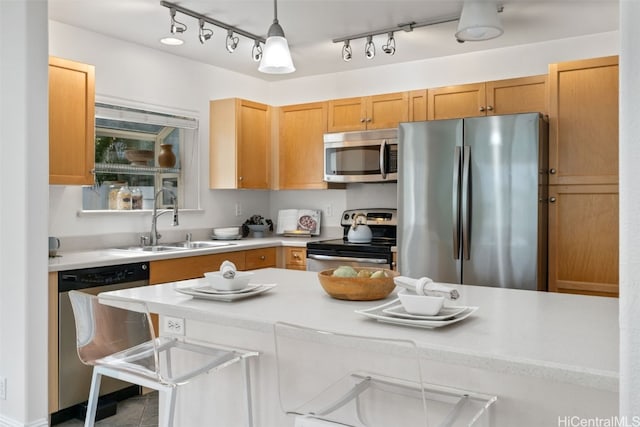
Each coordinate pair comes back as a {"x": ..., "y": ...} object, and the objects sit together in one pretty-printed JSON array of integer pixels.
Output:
[
  {"x": 260, "y": 258},
  {"x": 295, "y": 258},
  {"x": 583, "y": 239}
]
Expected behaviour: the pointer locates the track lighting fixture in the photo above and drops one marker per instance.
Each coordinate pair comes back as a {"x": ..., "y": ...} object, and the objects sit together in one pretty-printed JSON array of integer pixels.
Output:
[
  {"x": 256, "y": 51},
  {"x": 204, "y": 33},
  {"x": 177, "y": 27},
  {"x": 347, "y": 54},
  {"x": 232, "y": 42},
  {"x": 370, "y": 48},
  {"x": 390, "y": 47},
  {"x": 276, "y": 58}
]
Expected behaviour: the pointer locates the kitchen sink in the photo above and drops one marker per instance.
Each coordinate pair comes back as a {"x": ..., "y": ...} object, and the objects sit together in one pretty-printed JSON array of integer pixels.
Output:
[
  {"x": 158, "y": 248},
  {"x": 197, "y": 244}
]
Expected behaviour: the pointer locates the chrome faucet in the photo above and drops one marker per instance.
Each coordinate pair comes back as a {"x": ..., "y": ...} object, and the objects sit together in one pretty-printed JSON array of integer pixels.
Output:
[{"x": 155, "y": 236}]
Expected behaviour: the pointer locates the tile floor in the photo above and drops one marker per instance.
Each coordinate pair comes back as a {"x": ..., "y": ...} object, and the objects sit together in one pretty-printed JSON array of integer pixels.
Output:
[{"x": 137, "y": 411}]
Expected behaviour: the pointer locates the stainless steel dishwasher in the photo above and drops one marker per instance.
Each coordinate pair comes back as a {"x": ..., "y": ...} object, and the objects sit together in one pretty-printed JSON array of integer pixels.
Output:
[{"x": 74, "y": 378}]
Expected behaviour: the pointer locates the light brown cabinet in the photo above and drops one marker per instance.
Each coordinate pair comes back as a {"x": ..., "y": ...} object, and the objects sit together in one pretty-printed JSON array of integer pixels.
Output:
[
  {"x": 239, "y": 144},
  {"x": 295, "y": 258},
  {"x": 71, "y": 122},
  {"x": 418, "y": 105},
  {"x": 370, "y": 112},
  {"x": 260, "y": 258},
  {"x": 583, "y": 173},
  {"x": 511, "y": 96},
  {"x": 300, "y": 146},
  {"x": 583, "y": 239},
  {"x": 583, "y": 122}
]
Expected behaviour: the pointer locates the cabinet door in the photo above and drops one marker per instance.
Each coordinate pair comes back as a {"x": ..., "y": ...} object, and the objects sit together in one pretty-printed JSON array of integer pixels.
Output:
[
  {"x": 386, "y": 111},
  {"x": 171, "y": 270},
  {"x": 295, "y": 258},
  {"x": 418, "y": 105},
  {"x": 301, "y": 157},
  {"x": 512, "y": 96},
  {"x": 455, "y": 102},
  {"x": 254, "y": 145},
  {"x": 346, "y": 115},
  {"x": 71, "y": 122},
  {"x": 583, "y": 239},
  {"x": 583, "y": 122}
]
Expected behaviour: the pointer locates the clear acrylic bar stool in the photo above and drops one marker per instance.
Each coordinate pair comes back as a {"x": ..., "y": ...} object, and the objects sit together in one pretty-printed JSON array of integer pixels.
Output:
[
  {"x": 122, "y": 344},
  {"x": 365, "y": 381}
]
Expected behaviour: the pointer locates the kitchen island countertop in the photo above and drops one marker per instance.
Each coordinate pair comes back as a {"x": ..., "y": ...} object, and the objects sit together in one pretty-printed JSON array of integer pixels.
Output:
[{"x": 548, "y": 338}]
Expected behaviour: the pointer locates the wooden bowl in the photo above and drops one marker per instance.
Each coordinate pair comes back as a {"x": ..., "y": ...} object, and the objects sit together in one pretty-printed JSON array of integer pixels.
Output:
[
  {"x": 358, "y": 288},
  {"x": 139, "y": 157}
]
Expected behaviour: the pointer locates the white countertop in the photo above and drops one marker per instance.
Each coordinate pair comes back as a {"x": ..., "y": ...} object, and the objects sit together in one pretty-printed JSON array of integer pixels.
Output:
[
  {"x": 71, "y": 260},
  {"x": 567, "y": 338}
]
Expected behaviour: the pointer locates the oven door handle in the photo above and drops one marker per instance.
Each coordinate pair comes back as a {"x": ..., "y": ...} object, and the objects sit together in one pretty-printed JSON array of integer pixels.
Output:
[{"x": 347, "y": 259}]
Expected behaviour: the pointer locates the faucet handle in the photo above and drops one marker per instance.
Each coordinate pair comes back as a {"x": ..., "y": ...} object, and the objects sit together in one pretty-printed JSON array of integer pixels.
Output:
[
  {"x": 188, "y": 237},
  {"x": 144, "y": 240}
]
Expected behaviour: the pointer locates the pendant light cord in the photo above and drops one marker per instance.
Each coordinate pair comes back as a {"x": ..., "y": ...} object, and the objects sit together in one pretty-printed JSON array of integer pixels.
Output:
[{"x": 275, "y": 11}]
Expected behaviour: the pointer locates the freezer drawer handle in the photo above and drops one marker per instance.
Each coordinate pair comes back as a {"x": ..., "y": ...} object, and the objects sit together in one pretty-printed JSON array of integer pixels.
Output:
[{"x": 347, "y": 259}]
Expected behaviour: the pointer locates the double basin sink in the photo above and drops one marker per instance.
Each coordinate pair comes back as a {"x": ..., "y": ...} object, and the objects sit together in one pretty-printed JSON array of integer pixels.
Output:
[{"x": 177, "y": 246}]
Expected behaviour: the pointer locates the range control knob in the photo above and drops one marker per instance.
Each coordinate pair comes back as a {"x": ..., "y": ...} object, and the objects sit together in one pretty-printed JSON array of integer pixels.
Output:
[{"x": 346, "y": 217}]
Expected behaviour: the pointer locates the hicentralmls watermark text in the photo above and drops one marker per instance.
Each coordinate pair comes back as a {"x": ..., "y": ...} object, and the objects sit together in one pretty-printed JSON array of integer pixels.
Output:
[{"x": 615, "y": 421}]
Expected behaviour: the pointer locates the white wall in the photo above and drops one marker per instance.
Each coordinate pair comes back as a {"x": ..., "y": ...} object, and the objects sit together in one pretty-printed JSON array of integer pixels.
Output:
[
  {"x": 24, "y": 136},
  {"x": 629, "y": 211}
]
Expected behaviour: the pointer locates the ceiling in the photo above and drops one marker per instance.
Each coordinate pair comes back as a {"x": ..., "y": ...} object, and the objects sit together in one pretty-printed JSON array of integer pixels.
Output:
[{"x": 311, "y": 25}]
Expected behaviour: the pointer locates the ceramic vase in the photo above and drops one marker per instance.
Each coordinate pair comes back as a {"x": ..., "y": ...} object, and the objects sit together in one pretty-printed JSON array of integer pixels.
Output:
[{"x": 166, "y": 158}]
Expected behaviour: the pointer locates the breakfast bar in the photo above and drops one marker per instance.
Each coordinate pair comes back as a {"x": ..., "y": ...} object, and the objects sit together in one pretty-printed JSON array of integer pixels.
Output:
[{"x": 547, "y": 357}]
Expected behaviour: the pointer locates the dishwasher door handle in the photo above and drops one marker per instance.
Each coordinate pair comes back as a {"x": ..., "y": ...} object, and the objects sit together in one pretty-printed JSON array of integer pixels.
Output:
[{"x": 348, "y": 259}]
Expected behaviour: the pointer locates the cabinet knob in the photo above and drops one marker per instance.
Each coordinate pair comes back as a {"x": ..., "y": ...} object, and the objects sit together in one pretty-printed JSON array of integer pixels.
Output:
[
  {"x": 481, "y": 109},
  {"x": 296, "y": 256},
  {"x": 552, "y": 199},
  {"x": 368, "y": 119},
  {"x": 262, "y": 258},
  {"x": 362, "y": 120},
  {"x": 239, "y": 178},
  {"x": 552, "y": 171},
  {"x": 489, "y": 108}
]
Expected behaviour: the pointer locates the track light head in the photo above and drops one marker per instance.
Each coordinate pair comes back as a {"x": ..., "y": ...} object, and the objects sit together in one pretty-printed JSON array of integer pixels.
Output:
[
  {"x": 232, "y": 42},
  {"x": 347, "y": 54},
  {"x": 204, "y": 34},
  {"x": 177, "y": 27},
  {"x": 390, "y": 47},
  {"x": 256, "y": 51},
  {"x": 370, "y": 48}
]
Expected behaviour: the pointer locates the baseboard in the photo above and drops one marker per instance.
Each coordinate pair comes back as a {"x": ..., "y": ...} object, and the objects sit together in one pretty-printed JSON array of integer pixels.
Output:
[{"x": 8, "y": 422}]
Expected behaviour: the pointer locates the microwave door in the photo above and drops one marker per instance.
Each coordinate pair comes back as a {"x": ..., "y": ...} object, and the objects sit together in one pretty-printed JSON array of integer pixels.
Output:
[{"x": 359, "y": 163}]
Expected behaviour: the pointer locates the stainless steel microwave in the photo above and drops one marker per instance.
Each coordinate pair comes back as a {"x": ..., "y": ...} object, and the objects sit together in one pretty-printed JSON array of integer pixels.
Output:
[{"x": 363, "y": 156}]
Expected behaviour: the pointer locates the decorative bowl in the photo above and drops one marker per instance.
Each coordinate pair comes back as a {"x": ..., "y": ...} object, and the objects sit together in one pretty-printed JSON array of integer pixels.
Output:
[
  {"x": 358, "y": 288},
  {"x": 240, "y": 281},
  {"x": 139, "y": 157},
  {"x": 226, "y": 231},
  {"x": 424, "y": 305},
  {"x": 258, "y": 229}
]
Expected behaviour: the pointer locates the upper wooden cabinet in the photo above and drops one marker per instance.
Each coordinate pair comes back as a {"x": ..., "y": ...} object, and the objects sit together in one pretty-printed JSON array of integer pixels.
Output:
[
  {"x": 239, "y": 144},
  {"x": 511, "y": 96},
  {"x": 418, "y": 105},
  {"x": 71, "y": 122},
  {"x": 583, "y": 122},
  {"x": 370, "y": 112},
  {"x": 301, "y": 157}
]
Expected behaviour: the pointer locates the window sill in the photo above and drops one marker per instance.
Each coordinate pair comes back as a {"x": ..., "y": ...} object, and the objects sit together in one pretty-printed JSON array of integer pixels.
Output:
[{"x": 110, "y": 212}]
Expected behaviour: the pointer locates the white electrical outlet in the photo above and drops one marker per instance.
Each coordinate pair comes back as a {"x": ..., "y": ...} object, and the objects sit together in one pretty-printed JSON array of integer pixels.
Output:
[
  {"x": 173, "y": 325},
  {"x": 238, "y": 209},
  {"x": 3, "y": 388},
  {"x": 328, "y": 210}
]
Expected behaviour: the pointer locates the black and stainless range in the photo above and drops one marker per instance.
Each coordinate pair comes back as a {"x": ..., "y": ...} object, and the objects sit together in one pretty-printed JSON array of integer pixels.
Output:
[{"x": 327, "y": 254}]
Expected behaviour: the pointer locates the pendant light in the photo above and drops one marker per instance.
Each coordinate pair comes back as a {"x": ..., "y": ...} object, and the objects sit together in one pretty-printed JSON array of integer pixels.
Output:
[
  {"x": 276, "y": 58},
  {"x": 479, "y": 21}
]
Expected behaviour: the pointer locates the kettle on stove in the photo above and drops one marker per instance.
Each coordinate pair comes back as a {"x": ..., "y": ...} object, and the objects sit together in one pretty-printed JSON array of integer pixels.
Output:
[{"x": 359, "y": 231}]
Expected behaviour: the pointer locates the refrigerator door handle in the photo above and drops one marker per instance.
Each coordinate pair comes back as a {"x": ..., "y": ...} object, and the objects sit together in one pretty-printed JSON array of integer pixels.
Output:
[
  {"x": 383, "y": 166},
  {"x": 466, "y": 208},
  {"x": 455, "y": 211}
]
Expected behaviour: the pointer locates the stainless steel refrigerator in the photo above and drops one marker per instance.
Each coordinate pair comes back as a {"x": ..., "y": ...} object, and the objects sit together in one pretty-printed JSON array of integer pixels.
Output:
[{"x": 472, "y": 201}]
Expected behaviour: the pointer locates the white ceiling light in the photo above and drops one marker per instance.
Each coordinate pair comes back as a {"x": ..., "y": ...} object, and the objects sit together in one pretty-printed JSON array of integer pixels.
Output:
[
  {"x": 479, "y": 21},
  {"x": 176, "y": 27},
  {"x": 276, "y": 58}
]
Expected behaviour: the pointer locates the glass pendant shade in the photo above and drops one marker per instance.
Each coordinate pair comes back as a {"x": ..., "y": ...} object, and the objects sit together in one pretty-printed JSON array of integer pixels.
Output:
[
  {"x": 276, "y": 58},
  {"x": 479, "y": 21}
]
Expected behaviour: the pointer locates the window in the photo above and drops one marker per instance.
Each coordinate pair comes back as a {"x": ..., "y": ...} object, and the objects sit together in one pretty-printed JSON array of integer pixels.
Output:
[{"x": 128, "y": 147}]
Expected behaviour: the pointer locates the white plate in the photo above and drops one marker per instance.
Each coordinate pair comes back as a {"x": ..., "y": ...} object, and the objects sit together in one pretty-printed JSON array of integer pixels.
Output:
[
  {"x": 444, "y": 313},
  {"x": 209, "y": 290},
  {"x": 214, "y": 237},
  {"x": 378, "y": 314},
  {"x": 228, "y": 297}
]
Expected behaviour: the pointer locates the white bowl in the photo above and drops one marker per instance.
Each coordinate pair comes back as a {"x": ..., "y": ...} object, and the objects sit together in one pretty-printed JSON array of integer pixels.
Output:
[
  {"x": 240, "y": 281},
  {"x": 226, "y": 231},
  {"x": 423, "y": 305}
]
